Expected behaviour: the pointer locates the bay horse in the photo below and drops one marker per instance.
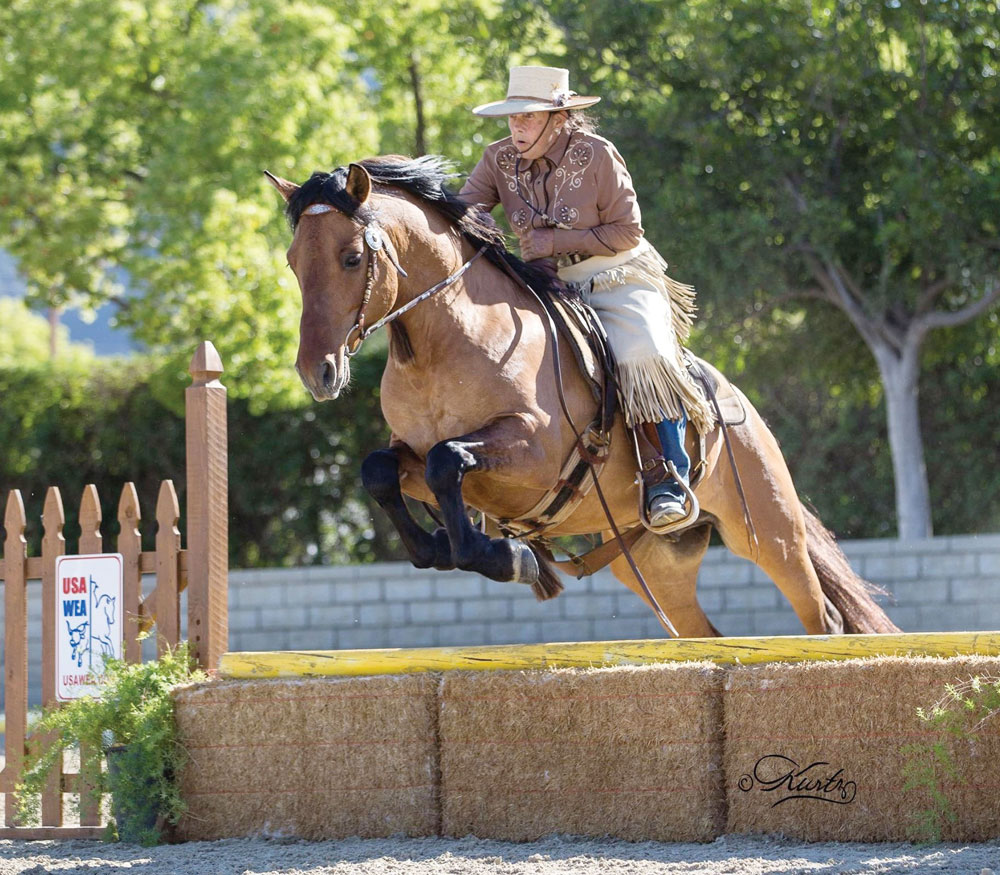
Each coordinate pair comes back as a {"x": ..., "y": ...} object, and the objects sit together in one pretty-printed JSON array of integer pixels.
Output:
[{"x": 471, "y": 395}]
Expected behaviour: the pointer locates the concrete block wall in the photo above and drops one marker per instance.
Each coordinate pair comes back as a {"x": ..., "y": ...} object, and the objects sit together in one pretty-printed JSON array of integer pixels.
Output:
[{"x": 940, "y": 584}]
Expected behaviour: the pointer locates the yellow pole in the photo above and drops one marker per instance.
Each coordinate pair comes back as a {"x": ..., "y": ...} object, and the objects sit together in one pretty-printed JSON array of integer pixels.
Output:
[{"x": 587, "y": 654}]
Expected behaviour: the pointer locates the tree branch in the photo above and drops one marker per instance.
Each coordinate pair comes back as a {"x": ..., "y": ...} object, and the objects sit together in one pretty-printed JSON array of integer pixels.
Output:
[
  {"x": 930, "y": 294},
  {"x": 838, "y": 293},
  {"x": 950, "y": 318}
]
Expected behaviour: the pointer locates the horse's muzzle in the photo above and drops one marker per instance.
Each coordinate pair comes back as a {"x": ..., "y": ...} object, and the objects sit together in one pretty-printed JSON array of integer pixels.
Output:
[{"x": 327, "y": 378}]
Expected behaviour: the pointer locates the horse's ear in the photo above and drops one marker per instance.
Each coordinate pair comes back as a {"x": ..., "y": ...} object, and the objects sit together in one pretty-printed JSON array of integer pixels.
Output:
[
  {"x": 285, "y": 188},
  {"x": 359, "y": 183}
]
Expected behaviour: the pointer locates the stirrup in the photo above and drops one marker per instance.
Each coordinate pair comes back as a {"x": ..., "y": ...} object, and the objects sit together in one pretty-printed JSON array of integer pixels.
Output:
[{"x": 691, "y": 500}]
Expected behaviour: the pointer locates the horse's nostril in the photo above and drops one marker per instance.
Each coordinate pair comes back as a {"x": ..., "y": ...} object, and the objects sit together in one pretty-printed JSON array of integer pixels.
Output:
[{"x": 326, "y": 375}]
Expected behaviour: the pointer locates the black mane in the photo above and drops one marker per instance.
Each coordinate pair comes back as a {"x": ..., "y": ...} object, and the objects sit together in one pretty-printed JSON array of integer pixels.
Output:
[{"x": 425, "y": 178}]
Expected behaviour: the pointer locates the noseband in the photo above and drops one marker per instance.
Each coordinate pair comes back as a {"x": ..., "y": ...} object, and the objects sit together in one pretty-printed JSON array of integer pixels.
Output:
[{"x": 375, "y": 242}]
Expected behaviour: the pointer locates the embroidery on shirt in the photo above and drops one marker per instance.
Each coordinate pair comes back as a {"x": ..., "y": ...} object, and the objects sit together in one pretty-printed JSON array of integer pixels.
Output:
[
  {"x": 569, "y": 177},
  {"x": 519, "y": 218},
  {"x": 506, "y": 159}
]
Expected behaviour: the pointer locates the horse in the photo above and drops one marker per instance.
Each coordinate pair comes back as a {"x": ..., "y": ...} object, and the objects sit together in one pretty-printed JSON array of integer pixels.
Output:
[
  {"x": 480, "y": 417},
  {"x": 103, "y": 622}
]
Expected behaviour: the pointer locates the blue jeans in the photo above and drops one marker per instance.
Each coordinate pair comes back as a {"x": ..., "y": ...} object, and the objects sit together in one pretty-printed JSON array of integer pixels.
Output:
[{"x": 671, "y": 433}]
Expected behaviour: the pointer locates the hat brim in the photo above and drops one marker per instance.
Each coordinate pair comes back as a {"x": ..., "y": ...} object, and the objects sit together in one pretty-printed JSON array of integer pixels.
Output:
[{"x": 510, "y": 107}]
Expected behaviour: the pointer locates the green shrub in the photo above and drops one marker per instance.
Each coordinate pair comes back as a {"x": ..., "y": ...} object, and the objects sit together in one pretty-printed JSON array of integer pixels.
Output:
[
  {"x": 958, "y": 716},
  {"x": 135, "y": 714}
]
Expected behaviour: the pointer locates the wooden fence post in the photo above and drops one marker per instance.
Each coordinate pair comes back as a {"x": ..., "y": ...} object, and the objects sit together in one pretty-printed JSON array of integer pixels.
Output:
[
  {"x": 207, "y": 508},
  {"x": 15, "y": 647}
]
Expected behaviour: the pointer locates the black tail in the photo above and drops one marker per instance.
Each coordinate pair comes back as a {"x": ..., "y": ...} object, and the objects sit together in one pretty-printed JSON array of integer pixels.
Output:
[{"x": 850, "y": 595}]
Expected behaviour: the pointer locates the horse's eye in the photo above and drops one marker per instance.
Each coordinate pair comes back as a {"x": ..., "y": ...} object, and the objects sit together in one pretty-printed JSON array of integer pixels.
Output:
[{"x": 351, "y": 259}]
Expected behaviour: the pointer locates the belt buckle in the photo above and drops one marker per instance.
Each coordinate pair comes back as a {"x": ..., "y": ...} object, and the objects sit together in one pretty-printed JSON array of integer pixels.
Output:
[{"x": 569, "y": 258}]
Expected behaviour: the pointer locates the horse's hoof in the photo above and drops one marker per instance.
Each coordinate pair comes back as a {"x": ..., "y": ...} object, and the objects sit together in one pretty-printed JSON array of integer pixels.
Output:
[
  {"x": 443, "y": 560},
  {"x": 524, "y": 564}
]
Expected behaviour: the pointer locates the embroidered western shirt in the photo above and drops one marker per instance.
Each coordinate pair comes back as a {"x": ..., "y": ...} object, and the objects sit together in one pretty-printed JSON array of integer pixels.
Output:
[{"x": 581, "y": 182}]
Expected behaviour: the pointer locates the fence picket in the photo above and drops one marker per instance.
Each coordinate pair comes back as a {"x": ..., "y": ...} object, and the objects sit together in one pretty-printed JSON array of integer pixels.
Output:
[
  {"x": 90, "y": 542},
  {"x": 53, "y": 546},
  {"x": 168, "y": 545},
  {"x": 15, "y": 648},
  {"x": 130, "y": 546}
]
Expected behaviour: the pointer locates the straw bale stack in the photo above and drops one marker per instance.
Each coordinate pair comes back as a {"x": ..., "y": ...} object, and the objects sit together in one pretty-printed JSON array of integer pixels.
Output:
[
  {"x": 313, "y": 758},
  {"x": 815, "y": 751},
  {"x": 629, "y": 752}
]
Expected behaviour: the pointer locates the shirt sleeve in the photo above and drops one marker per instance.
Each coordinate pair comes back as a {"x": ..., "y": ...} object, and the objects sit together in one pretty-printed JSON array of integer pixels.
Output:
[
  {"x": 480, "y": 188},
  {"x": 620, "y": 227}
]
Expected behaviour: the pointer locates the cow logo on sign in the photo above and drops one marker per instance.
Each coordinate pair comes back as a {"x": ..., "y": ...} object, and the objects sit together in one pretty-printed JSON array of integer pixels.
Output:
[{"x": 88, "y": 621}]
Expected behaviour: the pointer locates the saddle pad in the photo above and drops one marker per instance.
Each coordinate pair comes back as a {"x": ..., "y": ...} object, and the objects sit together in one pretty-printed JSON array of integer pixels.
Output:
[
  {"x": 582, "y": 348},
  {"x": 729, "y": 397}
]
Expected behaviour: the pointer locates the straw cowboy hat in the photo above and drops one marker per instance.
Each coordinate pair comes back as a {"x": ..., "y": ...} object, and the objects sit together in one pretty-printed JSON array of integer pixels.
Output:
[{"x": 536, "y": 89}]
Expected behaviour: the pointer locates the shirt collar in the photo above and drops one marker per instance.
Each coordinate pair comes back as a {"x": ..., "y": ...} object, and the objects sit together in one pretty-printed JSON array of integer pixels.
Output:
[{"x": 557, "y": 150}]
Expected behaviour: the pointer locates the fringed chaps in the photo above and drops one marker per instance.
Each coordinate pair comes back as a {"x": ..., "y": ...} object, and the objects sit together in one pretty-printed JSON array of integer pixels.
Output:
[{"x": 648, "y": 318}]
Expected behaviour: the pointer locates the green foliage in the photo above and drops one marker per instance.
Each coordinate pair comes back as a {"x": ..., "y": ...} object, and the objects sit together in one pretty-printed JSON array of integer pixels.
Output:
[
  {"x": 955, "y": 719},
  {"x": 135, "y": 710},
  {"x": 844, "y": 152},
  {"x": 68, "y": 427},
  {"x": 26, "y": 337},
  {"x": 761, "y": 135},
  {"x": 147, "y": 156}
]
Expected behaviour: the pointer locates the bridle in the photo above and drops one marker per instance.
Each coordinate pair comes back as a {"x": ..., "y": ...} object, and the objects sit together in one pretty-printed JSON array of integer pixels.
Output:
[{"x": 375, "y": 241}]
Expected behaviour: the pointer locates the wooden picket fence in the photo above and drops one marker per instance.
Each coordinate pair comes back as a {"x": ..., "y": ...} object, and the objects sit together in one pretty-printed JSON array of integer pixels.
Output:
[{"x": 202, "y": 569}]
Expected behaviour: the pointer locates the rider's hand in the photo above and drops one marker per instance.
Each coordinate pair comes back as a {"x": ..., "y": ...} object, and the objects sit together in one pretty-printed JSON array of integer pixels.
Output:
[{"x": 537, "y": 243}]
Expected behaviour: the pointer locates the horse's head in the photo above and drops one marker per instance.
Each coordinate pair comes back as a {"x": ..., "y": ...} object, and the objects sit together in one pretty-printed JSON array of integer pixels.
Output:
[{"x": 332, "y": 256}]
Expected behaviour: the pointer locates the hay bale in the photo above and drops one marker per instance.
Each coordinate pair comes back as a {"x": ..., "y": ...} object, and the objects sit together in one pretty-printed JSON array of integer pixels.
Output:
[
  {"x": 629, "y": 752},
  {"x": 816, "y": 751},
  {"x": 318, "y": 759}
]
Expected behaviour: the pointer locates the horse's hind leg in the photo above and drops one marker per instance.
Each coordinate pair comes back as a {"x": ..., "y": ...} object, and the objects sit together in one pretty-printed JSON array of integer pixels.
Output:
[
  {"x": 380, "y": 476},
  {"x": 781, "y": 551},
  {"x": 670, "y": 569}
]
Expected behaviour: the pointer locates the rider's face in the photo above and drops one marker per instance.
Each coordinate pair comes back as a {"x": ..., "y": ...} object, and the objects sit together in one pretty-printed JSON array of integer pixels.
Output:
[{"x": 534, "y": 132}]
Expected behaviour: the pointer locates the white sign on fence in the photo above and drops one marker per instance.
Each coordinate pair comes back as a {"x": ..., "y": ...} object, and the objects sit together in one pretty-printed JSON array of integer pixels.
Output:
[{"x": 88, "y": 620}]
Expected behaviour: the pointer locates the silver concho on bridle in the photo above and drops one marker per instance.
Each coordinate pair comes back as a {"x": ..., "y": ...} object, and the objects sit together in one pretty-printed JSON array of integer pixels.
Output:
[{"x": 373, "y": 237}]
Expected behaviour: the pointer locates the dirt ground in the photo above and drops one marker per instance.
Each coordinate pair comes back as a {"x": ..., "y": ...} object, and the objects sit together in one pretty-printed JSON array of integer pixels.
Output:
[{"x": 556, "y": 854}]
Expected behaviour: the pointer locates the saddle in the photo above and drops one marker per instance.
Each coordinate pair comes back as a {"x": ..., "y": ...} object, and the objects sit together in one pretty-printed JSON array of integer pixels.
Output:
[
  {"x": 579, "y": 327},
  {"x": 574, "y": 322}
]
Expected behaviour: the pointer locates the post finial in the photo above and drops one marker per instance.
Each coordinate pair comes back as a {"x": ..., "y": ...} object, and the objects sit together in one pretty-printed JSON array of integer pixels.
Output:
[{"x": 206, "y": 364}]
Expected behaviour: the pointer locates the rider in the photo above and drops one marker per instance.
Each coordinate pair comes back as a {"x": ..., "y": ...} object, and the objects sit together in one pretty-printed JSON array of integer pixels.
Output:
[{"x": 569, "y": 198}]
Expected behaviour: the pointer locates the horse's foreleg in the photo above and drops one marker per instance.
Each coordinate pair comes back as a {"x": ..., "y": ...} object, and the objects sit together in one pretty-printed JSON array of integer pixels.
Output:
[
  {"x": 380, "y": 476},
  {"x": 447, "y": 464}
]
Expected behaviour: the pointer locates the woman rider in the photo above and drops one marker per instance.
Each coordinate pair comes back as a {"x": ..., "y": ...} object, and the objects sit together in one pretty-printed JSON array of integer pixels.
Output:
[{"x": 568, "y": 197}]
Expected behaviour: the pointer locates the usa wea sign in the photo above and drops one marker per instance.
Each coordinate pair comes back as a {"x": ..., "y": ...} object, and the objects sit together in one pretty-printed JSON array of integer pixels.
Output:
[{"x": 88, "y": 620}]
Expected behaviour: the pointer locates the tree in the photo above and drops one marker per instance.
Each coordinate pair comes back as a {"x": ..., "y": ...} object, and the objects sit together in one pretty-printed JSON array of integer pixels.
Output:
[
  {"x": 134, "y": 136},
  {"x": 27, "y": 338},
  {"x": 844, "y": 151}
]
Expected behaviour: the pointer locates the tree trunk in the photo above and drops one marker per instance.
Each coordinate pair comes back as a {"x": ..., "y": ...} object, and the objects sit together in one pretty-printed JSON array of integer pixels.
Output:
[
  {"x": 53, "y": 315},
  {"x": 900, "y": 374},
  {"x": 418, "y": 101}
]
